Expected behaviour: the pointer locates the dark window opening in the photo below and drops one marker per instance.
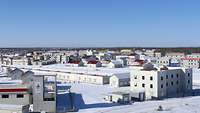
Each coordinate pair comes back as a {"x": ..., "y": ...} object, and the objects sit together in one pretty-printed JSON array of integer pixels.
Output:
[
  {"x": 5, "y": 96},
  {"x": 143, "y": 85},
  {"x": 177, "y": 82},
  {"x": 166, "y": 76},
  {"x": 142, "y": 77},
  {"x": 151, "y": 78},
  {"x": 151, "y": 85},
  {"x": 172, "y": 75},
  {"x": 161, "y": 78},
  {"x": 161, "y": 86},
  {"x": 20, "y": 96}
]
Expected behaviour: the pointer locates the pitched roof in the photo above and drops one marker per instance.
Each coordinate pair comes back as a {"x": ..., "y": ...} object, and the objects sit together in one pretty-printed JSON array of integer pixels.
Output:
[{"x": 92, "y": 62}]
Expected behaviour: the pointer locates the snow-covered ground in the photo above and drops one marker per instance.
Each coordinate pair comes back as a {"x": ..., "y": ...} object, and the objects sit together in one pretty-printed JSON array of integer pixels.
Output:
[{"x": 89, "y": 99}]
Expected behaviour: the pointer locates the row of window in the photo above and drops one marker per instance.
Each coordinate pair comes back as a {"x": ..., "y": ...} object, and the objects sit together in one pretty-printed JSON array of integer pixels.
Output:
[
  {"x": 192, "y": 63},
  {"x": 151, "y": 78},
  {"x": 172, "y": 83},
  {"x": 163, "y": 62},
  {"x": 7, "y": 96},
  {"x": 172, "y": 76}
]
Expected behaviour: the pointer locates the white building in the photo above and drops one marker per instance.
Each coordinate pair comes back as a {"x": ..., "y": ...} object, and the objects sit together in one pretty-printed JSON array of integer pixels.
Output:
[
  {"x": 163, "y": 61},
  {"x": 115, "y": 64},
  {"x": 7, "y": 108},
  {"x": 120, "y": 80},
  {"x": 175, "y": 55},
  {"x": 190, "y": 62},
  {"x": 157, "y": 54},
  {"x": 161, "y": 83}
]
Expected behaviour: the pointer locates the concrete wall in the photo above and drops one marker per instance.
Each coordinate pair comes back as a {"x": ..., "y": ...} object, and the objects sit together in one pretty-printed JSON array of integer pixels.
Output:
[
  {"x": 14, "y": 100},
  {"x": 83, "y": 78},
  {"x": 163, "y": 84},
  {"x": 116, "y": 82},
  {"x": 39, "y": 104}
]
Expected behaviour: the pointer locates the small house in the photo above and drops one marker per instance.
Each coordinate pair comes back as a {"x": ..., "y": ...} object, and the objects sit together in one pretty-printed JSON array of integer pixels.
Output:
[
  {"x": 118, "y": 97},
  {"x": 120, "y": 80},
  {"x": 94, "y": 64},
  {"x": 115, "y": 64}
]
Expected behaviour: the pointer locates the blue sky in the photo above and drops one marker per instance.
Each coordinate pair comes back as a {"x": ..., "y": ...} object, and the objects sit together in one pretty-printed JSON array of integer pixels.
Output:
[{"x": 99, "y": 23}]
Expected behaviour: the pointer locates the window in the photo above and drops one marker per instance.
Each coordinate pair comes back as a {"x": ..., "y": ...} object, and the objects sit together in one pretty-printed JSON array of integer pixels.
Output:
[
  {"x": 20, "y": 96},
  {"x": 5, "y": 96},
  {"x": 151, "y": 85},
  {"x": 161, "y": 86},
  {"x": 167, "y": 84},
  {"x": 172, "y": 75},
  {"x": 177, "y": 75},
  {"x": 142, "y": 77},
  {"x": 135, "y": 85},
  {"x": 135, "y": 77},
  {"x": 172, "y": 83},
  {"x": 161, "y": 78},
  {"x": 188, "y": 74},
  {"x": 166, "y": 76},
  {"x": 143, "y": 85},
  {"x": 177, "y": 82},
  {"x": 188, "y": 81},
  {"x": 151, "y": 78}
]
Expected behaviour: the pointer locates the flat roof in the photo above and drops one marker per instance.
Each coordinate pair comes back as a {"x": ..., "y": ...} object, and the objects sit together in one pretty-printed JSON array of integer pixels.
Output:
[
  {"x": 63, "y": 68},
  {"x": 10, "y": 107}
]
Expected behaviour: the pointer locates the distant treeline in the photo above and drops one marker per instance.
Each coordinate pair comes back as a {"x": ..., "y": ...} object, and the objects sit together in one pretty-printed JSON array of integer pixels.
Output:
[{"x": 186, "y": 50}]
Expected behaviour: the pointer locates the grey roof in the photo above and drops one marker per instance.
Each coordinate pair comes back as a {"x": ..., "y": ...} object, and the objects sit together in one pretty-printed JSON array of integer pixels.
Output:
[{"x": 122, "y": 75}]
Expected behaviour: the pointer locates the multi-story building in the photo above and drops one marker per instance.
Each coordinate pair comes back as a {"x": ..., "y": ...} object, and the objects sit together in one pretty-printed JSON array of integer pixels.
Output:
[{"x": 161, "y": 83}]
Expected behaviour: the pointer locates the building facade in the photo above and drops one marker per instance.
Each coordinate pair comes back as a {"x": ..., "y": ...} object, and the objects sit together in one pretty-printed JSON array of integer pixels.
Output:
[{"x": 161, "y": 83}]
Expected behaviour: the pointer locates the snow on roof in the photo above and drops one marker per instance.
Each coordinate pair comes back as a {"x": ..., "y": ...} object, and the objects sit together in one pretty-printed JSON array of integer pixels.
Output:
[
  {"x": 10, "y": 107},
  {"x": 101, "y": 71},
  {"x": 190, "y": 58},
  {"x": 8, "y": 81},
  {"x": 122, "y": 75},
  {"x": 116, "y": 62}
]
